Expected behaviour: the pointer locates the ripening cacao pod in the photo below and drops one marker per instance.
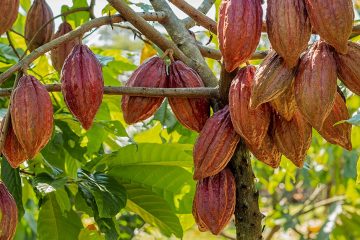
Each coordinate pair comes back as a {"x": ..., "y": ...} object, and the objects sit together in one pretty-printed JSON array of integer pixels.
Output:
[
  {"x": 60, "y": 53},
  {"x": 13, "y": 151},
  {"x": 251, "y": 124},
  {"x": 39, "y": 14},
  {"x": 11, "y": 9},
  {"x": 152, "y": 73},
  {"x": 82, "y": 84},
  {"x": 266, "y": 152},
  {"x": 332, "y": 20},
  {"x": 214, "y": 201},
  {"x": 215, "y": 145},
  {"x": 191, "y": 112},
  {"x": 271, "y": 79},
  {"x": 239, "y": 30},
  {"x": 315, "y": 84},
  {"x": 292, "y": 138},
  {"x": 288, "y": 28},
  {"x": 285, "y": 104},
  {"x": 334, "y": 133},
  {"x": 348, "y": 67},
  {"x": 31, "y": 115},
  {"x": 8, "y": 214}
]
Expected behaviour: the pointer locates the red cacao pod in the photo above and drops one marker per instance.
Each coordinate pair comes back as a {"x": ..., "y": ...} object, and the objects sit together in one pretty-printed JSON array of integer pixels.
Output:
[
  {"x": 251, "y": 124},
  {"x": 31, "y": 115},
  {"x": 315, "y": 84},
  {"x": 266, "y": 152},
  {"x": 293, "y": 138},
  {"x": 332, "y": 20},
  {"x": 239, "y": 30},
  {"x": 39, "y": 14},
  {"x": 191, "y": 112},
  {"x": 271, "y": 79},
  {"x": 59, "y": 54},
  {"x": 339, "y": 134},
  {"x": 82, "y": 84},
  {"x": 8, "y": 214},
  {"x": 348, "y": 67},
  {"x": 11, "y": 9},
  {"x": 151, "y": 73},
  {"x": 214, "y": 201},
  {"x": 13, "y": 151},
  {"x": 215, "y": 145},
  {"x": 288, "y": 28},
  {"x": 285, "y": 104}
]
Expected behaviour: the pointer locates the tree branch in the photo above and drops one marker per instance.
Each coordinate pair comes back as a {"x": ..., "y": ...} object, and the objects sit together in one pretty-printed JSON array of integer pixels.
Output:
[{"x": 204, "y": 8}]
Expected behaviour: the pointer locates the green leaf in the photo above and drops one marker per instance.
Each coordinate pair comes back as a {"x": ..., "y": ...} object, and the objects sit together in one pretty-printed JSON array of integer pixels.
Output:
[
  {"x": 52, "y": 224},
  {"x": 153, "y": 209},
  {"x": 87, "y": 234},
  {"x": 12, "y": 180},
  {"x": 78, "y": 18}
]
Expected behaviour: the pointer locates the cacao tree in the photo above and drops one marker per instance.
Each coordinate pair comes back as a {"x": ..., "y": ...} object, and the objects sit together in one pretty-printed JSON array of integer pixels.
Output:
[{"x": 122, "y": 120}]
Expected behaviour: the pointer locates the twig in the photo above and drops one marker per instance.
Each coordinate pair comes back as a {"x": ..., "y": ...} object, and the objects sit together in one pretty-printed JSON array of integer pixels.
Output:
[
  {"x": 91, "y": 9},
  {"x": 274, "y": 230},
  {"x": 227, "y": 236},
  {"x": 27, "y": 173},
  {"x": 204, "y": 8},
  {"x": 216, "y": 54},
  {"x": 12, "y": 45},
  {"x": 137, "y": 33},
  {"x": 72, "y": 35},
  {"x": 141, "y": 91},
  {"x": 199, "y": 17}
]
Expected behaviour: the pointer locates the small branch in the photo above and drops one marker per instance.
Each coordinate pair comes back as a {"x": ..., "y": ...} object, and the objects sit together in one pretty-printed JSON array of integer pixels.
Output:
[
  {"x": 199, "y": 17},
  {"x": 141, "y": 91},
  {"x": 227, "y": 236},
  {"x": 204, "y": 8},
  {"x": 271, "y": 234},
  {"x": 12, "y": 45},
  {"x": 27, "y": 173},
  {"x": 216, "y": 54},
  {"x": 91, "y": 9},
  {"x": 72, "y": 35}
]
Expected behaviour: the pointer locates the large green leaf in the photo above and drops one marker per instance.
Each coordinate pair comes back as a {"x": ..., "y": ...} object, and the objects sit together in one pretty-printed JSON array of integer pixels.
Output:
[
  {"x": 153, "y": 210},
  {"x": 52, "y": 224}
]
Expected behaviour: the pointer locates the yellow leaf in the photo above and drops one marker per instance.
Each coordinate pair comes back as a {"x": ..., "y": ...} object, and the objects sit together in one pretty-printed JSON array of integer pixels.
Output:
[{"x": 147, "y": 52}]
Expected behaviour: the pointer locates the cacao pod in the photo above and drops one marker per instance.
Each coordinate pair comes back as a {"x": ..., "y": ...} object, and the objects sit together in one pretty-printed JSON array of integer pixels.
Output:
[
  {"x": 59, "y": 54},
  {"x": 239, "y": 30},
  {"x": 339, "y": 134},
  {"x": 215, "y": 145},
  {"x": 348, "y": 67},
  {"x": 82, "y": 84},
  {"x": 8, "y": 214},
  {"x": 31, "y": 115},
  {"x": 285, "y": 104},
  {"x": 288, "y": 28},
  {"x": 266, "y": 152},
  {"x": 315, "y": 84},
  {"x": 332, "y": 20},
  {"x": 293, "y": 138},
  {"x": 11, "y": 9},
  {"x": 271, "y": 79},
  {"x": 251, "y": 124},
  {"x": 39, "y": 14},
  {"x": 191, "y": 112},
  {"x": 152, "y": 73},
  {"x": 13, "y": 151},
  {"x": 214, "y": 201}
]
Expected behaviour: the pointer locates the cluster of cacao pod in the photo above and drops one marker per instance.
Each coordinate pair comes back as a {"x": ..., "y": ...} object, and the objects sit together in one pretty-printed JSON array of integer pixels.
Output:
[{"x": 8, "y": 214}]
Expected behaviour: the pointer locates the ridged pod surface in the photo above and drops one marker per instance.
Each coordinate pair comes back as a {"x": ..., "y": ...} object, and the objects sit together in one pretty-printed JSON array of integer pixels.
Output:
[
  {"x": 288, "y": 28},
  {"x": 266, "y": 152},
  {"x": 191, "y": 112},
  {"x": 251, "y": 124},
  {"x": 214, "y": 201},
  {"x": 239, "y": 30},
  {"x": 59, "y": 54},
  {"x": 272, "y": 78},
  {"x": 31, "y": 115},
  {"x": 285, "y": 104},
  {"x": 39, "y": 14},
  {"x": 82, "y": 84},
  {"x": 348, "y": 67},
  {"x": 8, "y": 214},
  {"x": 332, "y": 20},
  {"x": 339, "y": 134},
  {"x": 11, "y": 9},
  {"x": 293, "y": 138},
  {"x": 215, "y": 145},
  {"x": 315, "y": 84},
  {"x": 13, "y": 151},
  {"x": 151, "y": 73}
]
